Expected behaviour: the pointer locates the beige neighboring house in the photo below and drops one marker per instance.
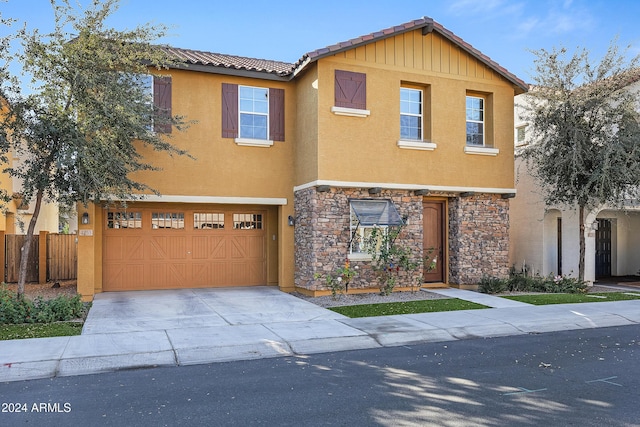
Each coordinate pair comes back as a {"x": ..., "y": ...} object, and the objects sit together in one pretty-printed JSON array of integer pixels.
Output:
[
  {"x": 17, "y": 213},
  {"x": 545, "y": 239}
]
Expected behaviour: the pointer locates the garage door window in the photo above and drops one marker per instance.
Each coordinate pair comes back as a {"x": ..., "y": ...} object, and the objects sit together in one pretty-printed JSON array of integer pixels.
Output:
[
  {"x": 124, "y": 219},
  {"x": 247, "y": 221},
  {"x": 170, "y": 220},
  {"x": 208, "y": 221}
]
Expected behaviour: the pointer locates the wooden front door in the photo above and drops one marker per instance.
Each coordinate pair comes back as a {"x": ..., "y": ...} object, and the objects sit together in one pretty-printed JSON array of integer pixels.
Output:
[{"x": 433, "y": 243}]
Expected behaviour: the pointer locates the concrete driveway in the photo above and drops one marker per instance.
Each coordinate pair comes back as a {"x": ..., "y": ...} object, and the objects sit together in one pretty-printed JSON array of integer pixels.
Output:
[{"x": 143, "y": 311}]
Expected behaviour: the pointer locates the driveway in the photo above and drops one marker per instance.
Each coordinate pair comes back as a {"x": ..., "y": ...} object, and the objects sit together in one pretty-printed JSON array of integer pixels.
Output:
[{"x": 142, "y": 311}]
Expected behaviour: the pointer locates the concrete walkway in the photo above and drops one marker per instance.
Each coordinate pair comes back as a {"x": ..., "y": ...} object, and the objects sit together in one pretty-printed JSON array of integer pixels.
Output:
[{"x": 126, "y": 330}]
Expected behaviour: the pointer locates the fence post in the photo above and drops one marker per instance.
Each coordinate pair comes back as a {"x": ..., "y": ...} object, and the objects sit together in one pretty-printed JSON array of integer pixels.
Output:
[
  {"x": 3, "y": 251},
  {"x": 42, "y": 257}
]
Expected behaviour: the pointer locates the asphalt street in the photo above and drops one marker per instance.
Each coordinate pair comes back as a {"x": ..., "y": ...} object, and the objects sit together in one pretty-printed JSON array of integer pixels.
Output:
[{"x": 585, "y": 377}]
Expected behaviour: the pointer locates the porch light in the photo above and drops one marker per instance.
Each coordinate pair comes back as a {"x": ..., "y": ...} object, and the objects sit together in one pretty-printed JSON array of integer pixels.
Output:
[
  {"x": 85, "y": 218},
  {"x": 291, "y": 221}
]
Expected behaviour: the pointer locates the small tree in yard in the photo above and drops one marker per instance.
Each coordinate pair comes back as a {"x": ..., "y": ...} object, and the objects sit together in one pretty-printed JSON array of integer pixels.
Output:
[
  {"x": 79, "y": 132},
  {"x": 585, "y": 131}
]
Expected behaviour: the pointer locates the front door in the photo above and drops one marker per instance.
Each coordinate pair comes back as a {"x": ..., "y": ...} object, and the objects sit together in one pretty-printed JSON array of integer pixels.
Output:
[
  {"x": 433, "y": 244},
  {"x": 603, "y": 248}
]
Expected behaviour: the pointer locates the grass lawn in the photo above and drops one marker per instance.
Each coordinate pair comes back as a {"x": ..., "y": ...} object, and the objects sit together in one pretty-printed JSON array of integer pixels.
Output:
[
  {"x": 408, "y": 307},
  {"x": 544, "y": 299},
  {"x": 39, "y": 330}
]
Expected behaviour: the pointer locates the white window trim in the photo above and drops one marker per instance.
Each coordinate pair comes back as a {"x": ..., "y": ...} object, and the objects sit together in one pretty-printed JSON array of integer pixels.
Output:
[
  {"x": 484, "y": 125},
  {"x": 482, "y": 151},
  {"x": 417, "y": 145},
  {"x": 353, "y": 112},
  {"x": 421, "y": 115},
  {"x": 515, "y": 136},
  {"x": 248, "y": 142},
  {"x": 268, "y": 113}
]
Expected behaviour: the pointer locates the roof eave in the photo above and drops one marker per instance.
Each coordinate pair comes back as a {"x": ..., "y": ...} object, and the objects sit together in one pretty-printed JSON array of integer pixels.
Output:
[{"x": 231, "y": 71}]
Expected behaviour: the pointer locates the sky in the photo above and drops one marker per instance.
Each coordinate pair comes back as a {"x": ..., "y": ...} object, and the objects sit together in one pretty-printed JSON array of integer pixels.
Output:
[{"x": 504, "y": 30}]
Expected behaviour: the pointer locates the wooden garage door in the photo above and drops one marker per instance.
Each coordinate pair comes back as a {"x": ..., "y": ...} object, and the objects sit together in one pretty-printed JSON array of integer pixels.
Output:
[{"x": 165, "y": 248}]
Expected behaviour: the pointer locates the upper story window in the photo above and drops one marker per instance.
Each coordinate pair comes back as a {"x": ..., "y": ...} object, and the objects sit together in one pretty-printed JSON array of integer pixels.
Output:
[
  {"x": 254, "y": 116},
  {"x": 254, "y": 112},
  {"x": 157, "y": 94},
  {"x": 521, "y": 135},
  {"x": 475, "y": 121},
  {"x": 411, "y": 114}
]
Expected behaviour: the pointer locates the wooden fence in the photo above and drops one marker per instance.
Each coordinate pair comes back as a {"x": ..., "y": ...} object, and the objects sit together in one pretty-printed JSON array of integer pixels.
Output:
[{"x": 57, "y": 254}]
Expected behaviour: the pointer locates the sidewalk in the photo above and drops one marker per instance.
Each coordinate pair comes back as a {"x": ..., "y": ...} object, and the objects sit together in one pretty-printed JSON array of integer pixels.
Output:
[{"x": 171, "y": 328}]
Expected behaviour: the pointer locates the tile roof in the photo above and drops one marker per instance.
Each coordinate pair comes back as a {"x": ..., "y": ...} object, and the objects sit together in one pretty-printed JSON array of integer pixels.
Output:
[
  {"x": 197, "y": 57},
  {"x": 287, "y": 70}
]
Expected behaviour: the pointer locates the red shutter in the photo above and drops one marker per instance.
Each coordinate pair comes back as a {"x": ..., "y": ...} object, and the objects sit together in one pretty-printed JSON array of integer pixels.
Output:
[
  {"x": 276, "y": 114},
  {"x": 229, "y": 110},
  {"x": 162, "y": 103},
  {"x": 351, "y": 90}
]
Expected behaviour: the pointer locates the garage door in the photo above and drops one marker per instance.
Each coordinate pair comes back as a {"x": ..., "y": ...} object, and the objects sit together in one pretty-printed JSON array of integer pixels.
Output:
[{"x": 165, "y": 248}]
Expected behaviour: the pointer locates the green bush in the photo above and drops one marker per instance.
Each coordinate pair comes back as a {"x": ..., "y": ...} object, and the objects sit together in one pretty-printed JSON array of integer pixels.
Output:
[
  {"x": 521, "y": 282},
  {"x": 14, "y": 310},
  {"x": 492, "y": 285}
]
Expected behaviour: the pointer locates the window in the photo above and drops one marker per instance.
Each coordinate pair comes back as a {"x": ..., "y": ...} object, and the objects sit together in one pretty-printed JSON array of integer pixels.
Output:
[
  {"x": 124, "y": 219},
  {"x": 367, "y": 214},
  {"x": 410, "y": 114},
  {"x": 254, "y": 116},
  {"x": 208, "y": 220},
  {"x": 171, "y": 220},
  {"x": 247, "y": 221},
  {"x": 521, "y": 134},
  {"x": 254, "y": 112},
  {"x": 475, "y": 121}
]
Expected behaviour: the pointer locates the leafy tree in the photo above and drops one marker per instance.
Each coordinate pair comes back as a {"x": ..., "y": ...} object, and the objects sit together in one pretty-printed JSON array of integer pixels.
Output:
[
  {"x": 80, "y": 131},
  {"x": 585, "y": 130}
]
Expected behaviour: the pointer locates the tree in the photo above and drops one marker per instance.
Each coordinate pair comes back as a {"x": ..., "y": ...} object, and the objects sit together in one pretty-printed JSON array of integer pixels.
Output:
[
  {"x": 79, "y": 133},
  {"x": 585, "y": 131}
]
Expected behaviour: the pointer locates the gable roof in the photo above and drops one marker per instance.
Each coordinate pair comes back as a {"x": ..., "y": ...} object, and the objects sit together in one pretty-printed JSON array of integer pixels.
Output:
[{"x": 231, "y": 64}]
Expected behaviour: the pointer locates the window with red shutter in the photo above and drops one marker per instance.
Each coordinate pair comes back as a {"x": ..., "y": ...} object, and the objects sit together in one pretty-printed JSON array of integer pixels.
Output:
[
  {"x": 276, "y": 114},
  {"x": 251, "y": 113},
  {"x": 229, "y": 110},
  {"x": 162, "y": 103}
]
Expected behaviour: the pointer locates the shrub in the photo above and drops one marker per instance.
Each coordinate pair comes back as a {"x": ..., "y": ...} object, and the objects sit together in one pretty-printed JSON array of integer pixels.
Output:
[
  {"x": 14, "y": 310},
  {"x": 492, "y": 285}
]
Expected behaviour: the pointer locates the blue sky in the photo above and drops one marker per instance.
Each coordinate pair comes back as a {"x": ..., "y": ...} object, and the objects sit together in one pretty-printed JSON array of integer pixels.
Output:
[{"x": 502, "y": 29}]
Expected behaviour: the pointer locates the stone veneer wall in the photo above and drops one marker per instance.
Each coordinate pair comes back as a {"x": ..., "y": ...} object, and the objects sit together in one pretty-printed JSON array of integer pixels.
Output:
[
  {"x": 322, "y": 234},
  {"x": 478, "y": 238}
]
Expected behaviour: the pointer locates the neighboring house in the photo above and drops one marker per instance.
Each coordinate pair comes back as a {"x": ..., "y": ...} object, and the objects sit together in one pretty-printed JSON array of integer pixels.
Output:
[
  {"x": 294, "y": 163},
  {"x": 545, "y": 239},
  {"x": 17, "y": 213}
]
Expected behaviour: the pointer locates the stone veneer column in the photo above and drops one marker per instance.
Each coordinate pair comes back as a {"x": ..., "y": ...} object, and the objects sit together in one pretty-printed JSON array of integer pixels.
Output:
[
  {"x": 478, "y": 238},
  {"x": 322, "y": 234}
]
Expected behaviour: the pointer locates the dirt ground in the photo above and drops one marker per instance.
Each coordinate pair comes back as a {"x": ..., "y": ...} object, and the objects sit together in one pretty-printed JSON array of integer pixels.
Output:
[{"x": 46, "y": 291}]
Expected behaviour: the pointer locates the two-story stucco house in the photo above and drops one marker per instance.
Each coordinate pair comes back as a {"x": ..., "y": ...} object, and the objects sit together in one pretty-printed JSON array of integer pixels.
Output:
[
  {"x": 295, "y": 162},
  {"x": 546, "y": 239}
]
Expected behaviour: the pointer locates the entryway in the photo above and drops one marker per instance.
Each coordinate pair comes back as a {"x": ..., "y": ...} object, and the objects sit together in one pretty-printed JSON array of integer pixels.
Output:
[
  {"x": 603, "y": 248},
  {"x": 433, "y": 240}
]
